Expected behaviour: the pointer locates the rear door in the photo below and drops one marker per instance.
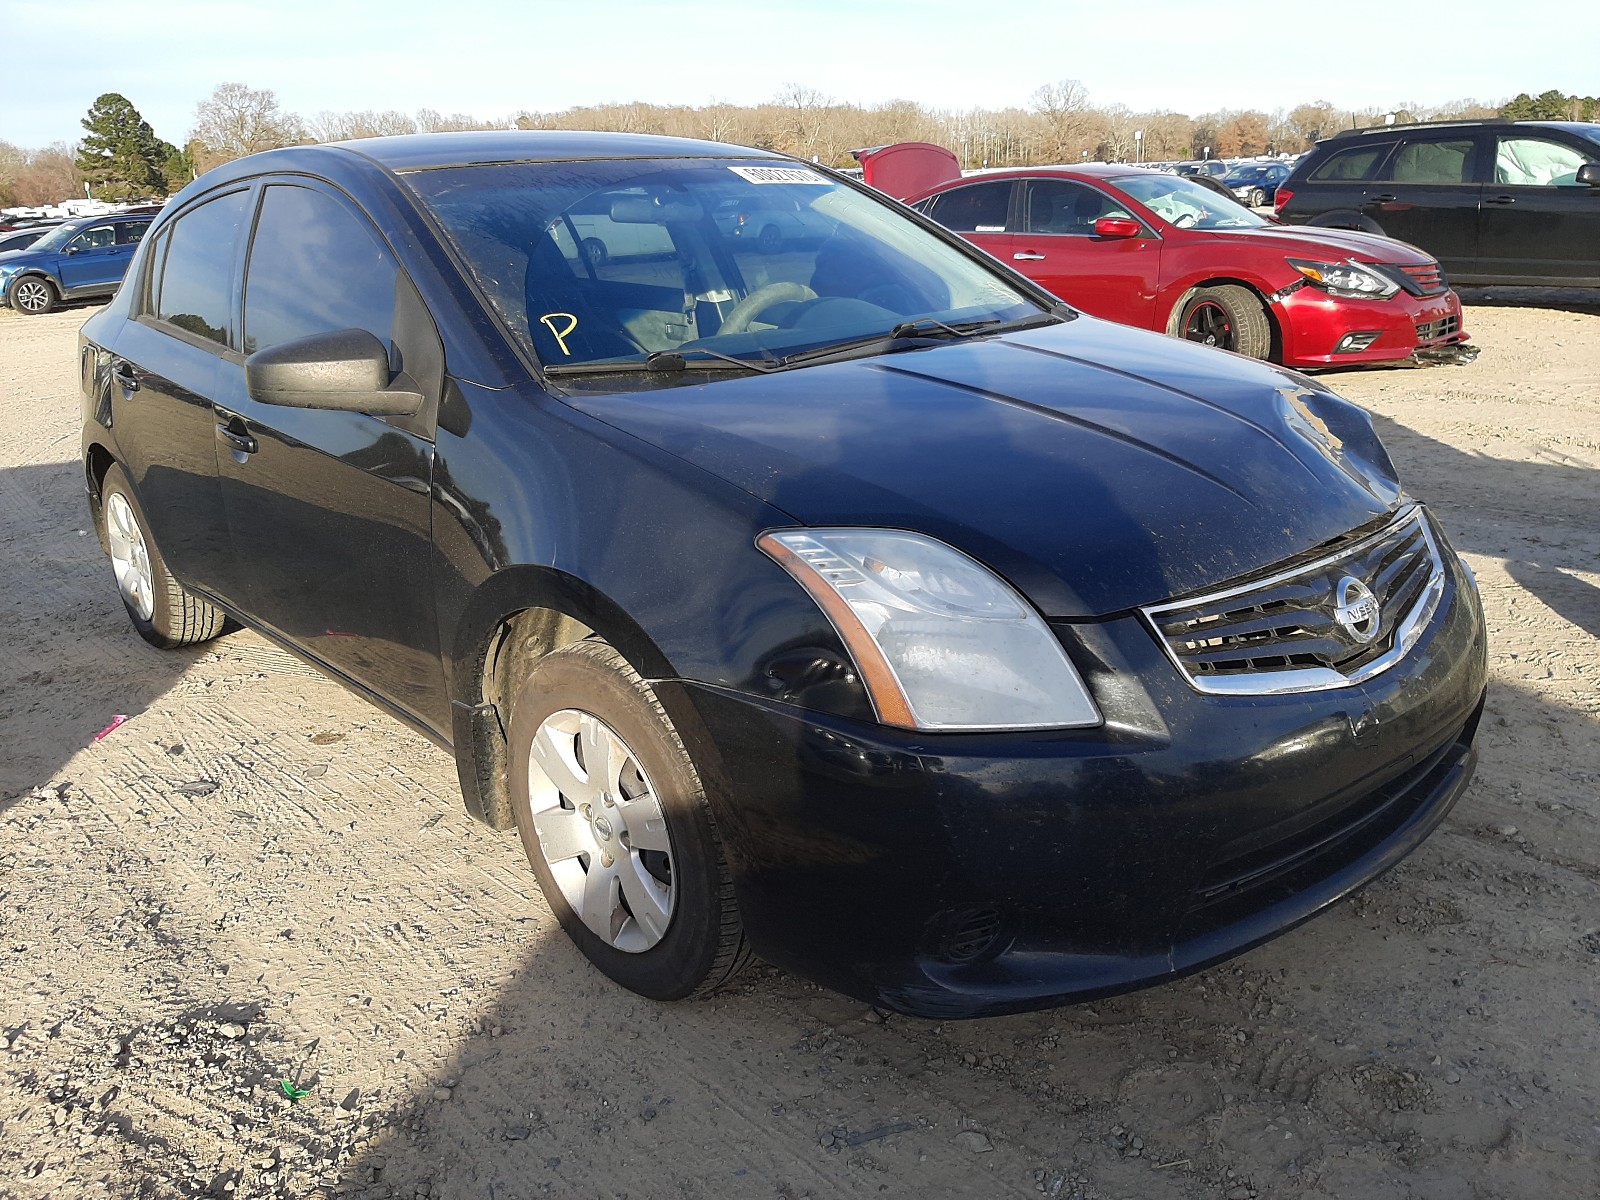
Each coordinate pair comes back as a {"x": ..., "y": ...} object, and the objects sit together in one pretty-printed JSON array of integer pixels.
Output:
[
  {"x": 329, "y": 510},
  {"x": 1538, "y": 222},
  {"x": 1114, "y": 278},
  {"x": 165, "y": 366},
  {"x": 979, "y": 212},
  {"x": 1428, "y": 192}
]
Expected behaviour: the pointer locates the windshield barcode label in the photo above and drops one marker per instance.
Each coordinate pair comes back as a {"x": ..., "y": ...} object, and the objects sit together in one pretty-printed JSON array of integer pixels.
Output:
[{"x": 778, "y": 175}]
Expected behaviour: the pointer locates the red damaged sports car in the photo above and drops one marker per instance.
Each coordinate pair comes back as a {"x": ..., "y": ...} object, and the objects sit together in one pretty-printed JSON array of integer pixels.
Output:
[{"x": 1161, "y": 252}]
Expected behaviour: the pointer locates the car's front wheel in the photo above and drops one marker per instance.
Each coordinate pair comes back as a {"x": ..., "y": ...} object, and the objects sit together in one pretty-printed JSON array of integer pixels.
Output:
[
  {"x": 1257, "y": 197},
  {"x": 1228, "y": 317},
  {"x": 615, "y": 822},
  {"x": 33, "y": 296},
  {"x": 164, "y": 614}
]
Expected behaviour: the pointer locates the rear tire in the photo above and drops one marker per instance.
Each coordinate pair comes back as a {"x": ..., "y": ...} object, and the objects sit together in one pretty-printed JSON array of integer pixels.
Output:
[
  {"x": 163, "y": 613},
  {"x": 1227, "y": 316},
  {"x": 770, "y": 241},
  {"x": 33, "y": 296},
  {"x": 616, "y": 825},
  {"x": 1257, "y": 198}
]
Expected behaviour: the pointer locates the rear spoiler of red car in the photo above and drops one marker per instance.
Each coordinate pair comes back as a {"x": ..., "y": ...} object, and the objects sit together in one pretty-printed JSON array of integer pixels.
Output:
[{"x": 906, "y": 169}]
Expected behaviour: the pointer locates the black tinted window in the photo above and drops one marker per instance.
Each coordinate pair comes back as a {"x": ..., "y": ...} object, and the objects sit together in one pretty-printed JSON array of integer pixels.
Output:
[
  {"x": 1059, "y": 206},
  {"x": 195, "y": 288},
  {"x": 129, "y": 233},
  {"x": 1430, "y": 161},
  {"x": 980, "y": 208},
  {"x": 316, "y": 265},
  {"x": 1355, "y": 163}
]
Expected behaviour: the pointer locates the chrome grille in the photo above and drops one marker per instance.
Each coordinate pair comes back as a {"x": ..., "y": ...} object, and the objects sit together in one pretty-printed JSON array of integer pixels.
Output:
[
  {"x": 1297, "y": 630},
  {"x": 1430, "y": 331}
]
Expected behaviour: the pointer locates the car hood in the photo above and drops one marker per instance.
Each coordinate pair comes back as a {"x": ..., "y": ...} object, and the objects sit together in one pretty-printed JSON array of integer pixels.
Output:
[
  {"x": 1335, "y": 244},
  {"x": 1095, "y": 466}
]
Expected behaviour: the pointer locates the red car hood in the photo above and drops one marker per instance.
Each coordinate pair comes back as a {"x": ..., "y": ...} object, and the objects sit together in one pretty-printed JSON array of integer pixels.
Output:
[{"x": 1328, "y": 244}]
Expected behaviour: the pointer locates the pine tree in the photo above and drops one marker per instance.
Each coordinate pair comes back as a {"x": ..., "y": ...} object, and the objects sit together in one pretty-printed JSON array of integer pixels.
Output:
[{"x": 120, "y": 153}]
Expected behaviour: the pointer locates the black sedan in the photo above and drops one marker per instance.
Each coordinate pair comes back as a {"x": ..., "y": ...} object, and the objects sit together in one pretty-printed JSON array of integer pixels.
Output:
[{"x": 859, "y": 606}]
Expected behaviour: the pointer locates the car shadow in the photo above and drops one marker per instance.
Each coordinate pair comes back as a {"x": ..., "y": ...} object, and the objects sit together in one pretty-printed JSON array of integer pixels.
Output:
[
  {"x": 81, "y": 665},
  {"x": 1486, "y": 503},
  {"x": 1573, "y": 300}
]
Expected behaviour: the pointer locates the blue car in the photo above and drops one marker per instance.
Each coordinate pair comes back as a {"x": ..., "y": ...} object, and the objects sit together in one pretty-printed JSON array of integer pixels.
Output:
[
  {"x": 77, "y": 260},
  {"x": 1255, "y": 184}
]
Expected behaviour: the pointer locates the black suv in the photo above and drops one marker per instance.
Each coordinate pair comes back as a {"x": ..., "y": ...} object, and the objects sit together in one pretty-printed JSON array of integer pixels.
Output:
[{"x": 1494, "y": 201}]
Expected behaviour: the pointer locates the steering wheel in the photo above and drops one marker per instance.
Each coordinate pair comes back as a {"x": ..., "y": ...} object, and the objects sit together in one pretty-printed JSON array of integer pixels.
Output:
[
  {"x": 757, "y": 302},
  {"x": 1184, "y": 220}
]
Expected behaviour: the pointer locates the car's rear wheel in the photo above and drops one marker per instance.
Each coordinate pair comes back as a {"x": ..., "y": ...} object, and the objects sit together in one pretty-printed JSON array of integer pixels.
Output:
[
  {"x": 1257, "y": 197},
  {"x": 164, "y": 614},
  {"x": 33, "y": 296},
  {"x": 615, "y": 822},
  {"x": 1229, "y": 317},
  {"x": 595, "y": 251},
  {"x": 770, "y": 241}
]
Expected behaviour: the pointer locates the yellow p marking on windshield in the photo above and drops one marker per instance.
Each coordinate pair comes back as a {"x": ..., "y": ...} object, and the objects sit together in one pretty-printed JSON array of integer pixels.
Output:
[{"x": 561, "y": 335}]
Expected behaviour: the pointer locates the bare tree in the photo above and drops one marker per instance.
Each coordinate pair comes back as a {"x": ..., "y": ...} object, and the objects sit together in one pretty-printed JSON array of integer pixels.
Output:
[
  {"x": 238, "y": 120},
  {"x": 1065, "y": 109}
]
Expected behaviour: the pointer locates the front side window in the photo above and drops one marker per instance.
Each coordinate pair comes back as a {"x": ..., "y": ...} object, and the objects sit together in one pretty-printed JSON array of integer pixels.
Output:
[
  {"x": 316, "y": 266},
  {"x": 976, "y": 208},
  {"x": 1536, "y": 162},
  {"x": 194, "y": 286},
  {"x": 1432, "y": 162},
  {"x": 1061, "y": 206},
  {"x": 95, "y": 239},
  {"x": 621, "y": 261}
]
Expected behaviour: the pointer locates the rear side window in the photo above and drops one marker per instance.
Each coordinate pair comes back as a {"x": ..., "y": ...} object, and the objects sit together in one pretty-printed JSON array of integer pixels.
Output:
[
  {"x": 194, "y": 287},
  {"x": 129, "y": 232},
  {"x": 1354, "y": 163},
  {"x": 1432, "y": 162},
  {"x": 980, "y": 208},
  {"x": 316, "y": 266}
]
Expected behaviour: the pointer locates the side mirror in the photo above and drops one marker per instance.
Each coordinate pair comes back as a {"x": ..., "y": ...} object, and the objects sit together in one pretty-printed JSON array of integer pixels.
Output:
[
  {"x": 70, "y": 249},
  {"x": 1589, "y": 173},
  {"x": 347, "y": 370},
  {"x": 1117, "y": 227}
]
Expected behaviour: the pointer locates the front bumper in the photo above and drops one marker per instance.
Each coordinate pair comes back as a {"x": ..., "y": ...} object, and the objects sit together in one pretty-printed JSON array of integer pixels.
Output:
[
  {"x": 972, "y": 875},
  {"x": 1314, "y": 325}
]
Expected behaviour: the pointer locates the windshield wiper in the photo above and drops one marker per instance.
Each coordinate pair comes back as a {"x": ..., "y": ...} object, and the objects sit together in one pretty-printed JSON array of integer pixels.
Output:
[
  {"x": 913, "y": 335},
  {"x": 697, "y": 359}
]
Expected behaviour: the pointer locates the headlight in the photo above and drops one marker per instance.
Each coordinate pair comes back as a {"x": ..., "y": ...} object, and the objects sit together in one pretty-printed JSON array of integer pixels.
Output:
[
  {"x": 1345, "y": 279},
  {"x": 941, "y": 643}
]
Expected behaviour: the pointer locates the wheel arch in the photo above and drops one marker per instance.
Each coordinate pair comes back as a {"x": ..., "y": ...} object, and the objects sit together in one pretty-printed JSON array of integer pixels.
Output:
[
  {"x": 1347, "y": 218},
  {"x": 1185, "y": 294},
  {"x": 97, "y": 460},
  {"x": 514, "y": 619}
]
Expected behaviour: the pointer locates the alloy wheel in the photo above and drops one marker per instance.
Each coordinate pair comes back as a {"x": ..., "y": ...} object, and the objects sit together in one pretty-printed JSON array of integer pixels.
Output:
[
  {"x": 601, "y": 830},
  {"x": 1210, "y": 324},
  {"x": 130, "y": 557},
  {"x": 32, "y": 296}
]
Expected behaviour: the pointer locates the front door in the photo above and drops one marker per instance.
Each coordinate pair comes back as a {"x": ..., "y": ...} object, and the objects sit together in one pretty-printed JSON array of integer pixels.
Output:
[
  {"x": 329, "y": 510},
  {"x": 1114, "y": 278},
  {"x": 1538, "y": 222},
  {"x": 90, "y": 262}
]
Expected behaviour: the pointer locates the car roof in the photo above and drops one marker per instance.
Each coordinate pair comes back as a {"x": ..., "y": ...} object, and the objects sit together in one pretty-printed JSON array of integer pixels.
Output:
[
  {"x": 421, "y": 151},
  {"x": 1583, "y": 127}
]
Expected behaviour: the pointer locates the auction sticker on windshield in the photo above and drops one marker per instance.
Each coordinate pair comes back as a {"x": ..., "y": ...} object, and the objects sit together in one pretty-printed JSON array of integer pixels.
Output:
[{"x": 778, "y": 175}]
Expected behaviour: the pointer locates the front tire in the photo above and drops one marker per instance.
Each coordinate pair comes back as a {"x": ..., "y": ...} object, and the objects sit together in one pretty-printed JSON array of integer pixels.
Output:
[
  {"x": 33, "y": 296},
  {"x": 1257, "y": 197},
  {"x": 163, "y": 613},
  {"x": 770, "y": 241},
  {"x": 617, "y": 828},
  {"x": 1228, "y": 317}
]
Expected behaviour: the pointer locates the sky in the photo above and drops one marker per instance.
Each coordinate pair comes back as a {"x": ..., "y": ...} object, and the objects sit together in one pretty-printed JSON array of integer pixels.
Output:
[{"x": 494, "y": 58}]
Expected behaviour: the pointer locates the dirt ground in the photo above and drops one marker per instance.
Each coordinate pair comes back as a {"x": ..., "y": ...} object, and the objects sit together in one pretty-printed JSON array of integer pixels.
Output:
[{"x": 260, "y": 881}]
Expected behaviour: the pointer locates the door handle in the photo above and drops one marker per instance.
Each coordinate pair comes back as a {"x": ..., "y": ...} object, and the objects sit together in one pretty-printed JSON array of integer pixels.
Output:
[
  {"x": 124, "y": 375},
  {"x": 1027, "y": 256},
  {"x": 242, "y": 442},
  {"x": 1499, "y": 199},
  {"x": 1386, "y": 198}
]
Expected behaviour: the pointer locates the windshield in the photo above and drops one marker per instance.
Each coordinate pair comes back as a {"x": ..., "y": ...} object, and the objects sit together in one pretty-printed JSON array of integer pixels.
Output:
[
  {"x": 1187, "y": 204},
  {"x": 56, "y": 238},
  {"x": 698, "y": 261}
]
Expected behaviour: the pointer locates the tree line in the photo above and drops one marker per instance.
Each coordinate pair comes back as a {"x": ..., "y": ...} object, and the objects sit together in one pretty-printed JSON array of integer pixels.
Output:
[{"x": 121, "y": 158}]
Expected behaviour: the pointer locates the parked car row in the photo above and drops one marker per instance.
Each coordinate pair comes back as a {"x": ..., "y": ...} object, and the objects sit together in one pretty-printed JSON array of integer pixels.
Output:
[
  {"x": 1165, "y": 253},
  {"x": 863, "y": 606},
  {"x": 75, "y": 260}
]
